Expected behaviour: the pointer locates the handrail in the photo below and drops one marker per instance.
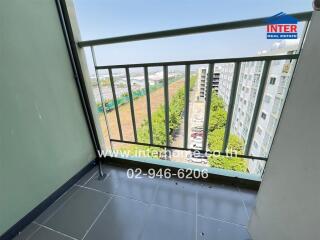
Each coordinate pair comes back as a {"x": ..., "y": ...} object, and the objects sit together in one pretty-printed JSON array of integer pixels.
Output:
[
  {"x": 256, "y": 22},
  {"x": 205, "y": 61},
  {"x": 208, "y": 152},
  {"x": 187, "y": 64}
]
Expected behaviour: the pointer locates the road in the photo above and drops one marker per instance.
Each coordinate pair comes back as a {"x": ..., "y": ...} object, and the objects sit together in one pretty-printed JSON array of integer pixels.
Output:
[{"x": 196, "y": 108}]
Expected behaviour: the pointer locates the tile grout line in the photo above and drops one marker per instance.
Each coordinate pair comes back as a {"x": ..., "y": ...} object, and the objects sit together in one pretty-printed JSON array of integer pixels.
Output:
[
  {"x": 33, "y": 233},
  {"x": 221, "y": 220},
  {"x": 93, "y": 189},
  {"x": 244, "y": 205},
  {"x": 155, "y": 194},
  {"x": 58, "y": 208},
  {"x": 95, "y": 173},
  {"x": 64, "y": 202},
  {"x": 174, "y": 209},
  {"x": 96, "y": 219},
  {"x": 137, "y": 200},
  {"x": 54, "y": 212},
  {"x": 61, "y": 233},
  {"x": 112, "y": 194},
  {"x": 149, "y": 209}
]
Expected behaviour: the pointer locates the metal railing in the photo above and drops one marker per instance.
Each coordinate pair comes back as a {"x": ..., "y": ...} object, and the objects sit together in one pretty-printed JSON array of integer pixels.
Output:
[{"x": 305, "y": 16}]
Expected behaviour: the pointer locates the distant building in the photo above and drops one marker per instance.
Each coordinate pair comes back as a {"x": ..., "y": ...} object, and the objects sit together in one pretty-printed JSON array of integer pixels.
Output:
[
  {"x": 274, "y": 94},
  {"x": 202, "y": 81},
  {"x": 201, "y": 88}
]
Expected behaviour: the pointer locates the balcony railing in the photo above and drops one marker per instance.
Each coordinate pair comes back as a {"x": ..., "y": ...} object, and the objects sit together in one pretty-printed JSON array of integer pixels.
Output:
[{"x": 238, "y": 63}]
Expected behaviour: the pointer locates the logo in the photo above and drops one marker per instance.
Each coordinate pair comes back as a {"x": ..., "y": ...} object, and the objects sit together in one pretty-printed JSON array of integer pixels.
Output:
[{"x": 282, "y": 26}]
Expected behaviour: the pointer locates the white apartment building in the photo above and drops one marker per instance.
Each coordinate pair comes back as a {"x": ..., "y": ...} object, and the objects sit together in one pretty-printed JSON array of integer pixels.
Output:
[
  {"x": 202, "y": 81},
  {"x": 274, "y": 94},
  {"x": 201, "y": 84}
]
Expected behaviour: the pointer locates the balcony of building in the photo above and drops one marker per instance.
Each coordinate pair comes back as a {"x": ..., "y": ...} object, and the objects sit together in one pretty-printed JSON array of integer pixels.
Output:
[
  {"x": 145, "y": 208},
  {"x": 78, "y": 172}
]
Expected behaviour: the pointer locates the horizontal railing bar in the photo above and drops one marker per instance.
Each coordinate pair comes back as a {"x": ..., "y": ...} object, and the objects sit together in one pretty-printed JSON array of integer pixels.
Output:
[
  {"x": 256, "y": 22},
  {"x": 189, "y": 149},
  {"x": 205, "y": 61}
]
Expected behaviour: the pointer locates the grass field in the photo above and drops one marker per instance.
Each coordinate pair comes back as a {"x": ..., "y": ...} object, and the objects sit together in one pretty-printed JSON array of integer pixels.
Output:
[{"x": 140, "y": 107}]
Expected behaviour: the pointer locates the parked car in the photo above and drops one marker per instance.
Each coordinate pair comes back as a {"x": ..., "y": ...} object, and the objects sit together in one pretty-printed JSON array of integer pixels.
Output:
[
  {"x": 197, "y": 139},
  {"x": 198, "y": 157},
  {"x": 197, "y": 145},
  {"x": 197, "y": 129},
  {"x": 196, "y": 134},
  {"x": 198, "y": 121}
]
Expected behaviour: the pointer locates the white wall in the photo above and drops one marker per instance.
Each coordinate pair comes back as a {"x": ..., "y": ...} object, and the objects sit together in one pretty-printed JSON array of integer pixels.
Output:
[{"x": 288, "y": 203}]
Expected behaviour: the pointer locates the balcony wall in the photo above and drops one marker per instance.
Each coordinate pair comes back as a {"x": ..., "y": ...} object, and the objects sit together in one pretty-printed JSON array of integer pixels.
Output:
[
  {"x": 44, "y": 138},
  {"x": 287, "y": 205}
]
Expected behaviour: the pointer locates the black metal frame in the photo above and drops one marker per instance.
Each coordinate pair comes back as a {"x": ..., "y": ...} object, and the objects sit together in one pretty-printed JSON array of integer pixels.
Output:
[
  {"x": 76, "y": 67},
  {"x": 78, "y": 74}
]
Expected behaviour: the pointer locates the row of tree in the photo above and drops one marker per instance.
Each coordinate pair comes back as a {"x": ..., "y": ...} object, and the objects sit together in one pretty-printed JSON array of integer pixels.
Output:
[
  {"x": 176, "y": 108},
  {"x": 217, "y": 123}
]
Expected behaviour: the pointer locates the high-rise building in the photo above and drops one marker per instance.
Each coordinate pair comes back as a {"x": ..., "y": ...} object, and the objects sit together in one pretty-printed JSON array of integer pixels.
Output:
[
  {"x": 202, "y": 81},
  {"x": 274, "y": 94}
]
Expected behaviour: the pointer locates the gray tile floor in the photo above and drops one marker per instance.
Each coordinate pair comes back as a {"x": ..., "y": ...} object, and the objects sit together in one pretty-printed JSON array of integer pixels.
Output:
[{"x": 119, "y": 208}]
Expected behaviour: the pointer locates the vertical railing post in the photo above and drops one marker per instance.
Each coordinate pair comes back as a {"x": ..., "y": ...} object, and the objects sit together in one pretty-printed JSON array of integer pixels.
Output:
[
  {"x": 102, "y": 175},
  {"x": 133, "y": 118},
  {"x": 115, "y": 103},
  {"x": 146, "y": 78},
  {"x": 186, "y": 106},
  {"x": 166, "y": 103},
  {"x": 233, "y": 94},
  {"x": 257, "y": 106},
  {"x": 207, "y": 105}
]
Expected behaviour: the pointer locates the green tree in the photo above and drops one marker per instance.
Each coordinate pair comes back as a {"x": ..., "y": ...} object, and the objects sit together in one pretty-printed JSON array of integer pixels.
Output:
[
  {"x": 176, "y": 108},
  {"x": 217, "y": 122},
  {"x": 217, "y": 119}
]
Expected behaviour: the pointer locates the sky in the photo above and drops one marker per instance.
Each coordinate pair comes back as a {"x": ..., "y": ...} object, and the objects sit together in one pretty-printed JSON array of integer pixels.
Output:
[{"x": 109, "y": 18}]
